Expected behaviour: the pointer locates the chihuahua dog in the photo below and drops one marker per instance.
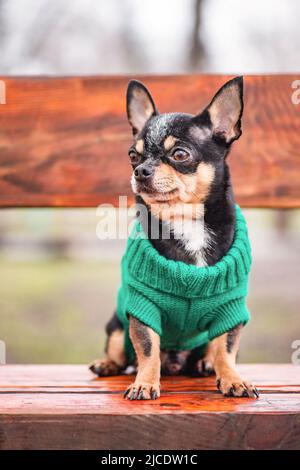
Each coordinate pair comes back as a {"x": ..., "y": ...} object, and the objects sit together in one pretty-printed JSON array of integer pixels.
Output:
[{"x": 180, "y": 159}]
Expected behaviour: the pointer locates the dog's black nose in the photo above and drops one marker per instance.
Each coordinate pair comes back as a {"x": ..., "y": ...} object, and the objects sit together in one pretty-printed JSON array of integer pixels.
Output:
[{"x": 142, "y": 172}]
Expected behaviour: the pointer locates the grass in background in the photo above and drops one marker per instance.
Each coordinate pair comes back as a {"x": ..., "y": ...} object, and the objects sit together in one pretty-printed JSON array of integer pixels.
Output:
[{"x": 55, "y": 311}]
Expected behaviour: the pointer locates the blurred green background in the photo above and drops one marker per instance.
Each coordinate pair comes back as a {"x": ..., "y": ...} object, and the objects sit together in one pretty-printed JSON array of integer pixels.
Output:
[
  {"x": 58, "y": 280},
  {"x": 58, "y": 285}
]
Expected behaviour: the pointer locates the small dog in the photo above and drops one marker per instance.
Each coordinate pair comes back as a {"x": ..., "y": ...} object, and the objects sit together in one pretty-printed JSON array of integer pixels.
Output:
[{"x": 179, "y": 161}]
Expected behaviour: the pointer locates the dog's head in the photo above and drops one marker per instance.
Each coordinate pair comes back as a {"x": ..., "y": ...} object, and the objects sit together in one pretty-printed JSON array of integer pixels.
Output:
[{"x": 179, "y": 157}]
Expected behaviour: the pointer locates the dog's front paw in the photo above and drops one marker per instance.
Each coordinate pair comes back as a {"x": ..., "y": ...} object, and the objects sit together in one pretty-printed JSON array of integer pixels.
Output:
[
  {"x": 233, "y": 387},
  {"x": 142, "y": 391}
]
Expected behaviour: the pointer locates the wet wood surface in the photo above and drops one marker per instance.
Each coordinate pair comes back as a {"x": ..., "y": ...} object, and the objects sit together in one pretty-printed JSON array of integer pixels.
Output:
[
  {"x": 64, "y": 141},
  {"x": 64, "y": 406}
]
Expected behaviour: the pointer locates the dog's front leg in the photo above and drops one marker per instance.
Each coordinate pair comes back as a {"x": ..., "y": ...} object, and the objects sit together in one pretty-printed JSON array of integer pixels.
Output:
[
  {"x": 229, "y": 382},
  {"x": 147, "y": 347}
]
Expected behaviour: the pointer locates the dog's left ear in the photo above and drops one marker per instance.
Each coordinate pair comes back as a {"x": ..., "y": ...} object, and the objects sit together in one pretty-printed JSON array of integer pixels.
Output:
[
  {"x": 226, "y": 109},
  {"x": 140, "y": 105}
]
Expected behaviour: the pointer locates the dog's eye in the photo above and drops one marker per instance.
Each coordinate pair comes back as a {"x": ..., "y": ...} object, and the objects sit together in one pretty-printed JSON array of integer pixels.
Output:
[
  {"x": 134, "y": 157},
  {"x": 180, "y": 155}
]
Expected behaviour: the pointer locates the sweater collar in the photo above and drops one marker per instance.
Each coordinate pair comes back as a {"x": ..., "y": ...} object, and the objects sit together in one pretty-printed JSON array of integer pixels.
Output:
[{"x": 146, "y": 265}]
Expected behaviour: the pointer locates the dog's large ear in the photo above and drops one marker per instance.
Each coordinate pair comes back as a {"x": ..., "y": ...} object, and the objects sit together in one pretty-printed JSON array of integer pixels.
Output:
[
  {"x": 140, "y": 105},
  {"x": 226, "y": 109}
]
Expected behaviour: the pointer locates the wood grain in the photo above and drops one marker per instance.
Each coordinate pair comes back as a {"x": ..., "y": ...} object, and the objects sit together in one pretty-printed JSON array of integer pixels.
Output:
[
  {"x": 63, "y": 407},
  {"x": 64, "y": 141},
  {"x": 75, "y": 378}
]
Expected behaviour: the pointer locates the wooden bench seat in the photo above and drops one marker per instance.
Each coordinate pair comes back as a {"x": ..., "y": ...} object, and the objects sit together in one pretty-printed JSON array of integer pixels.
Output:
[{"x": 64, "y": 407}]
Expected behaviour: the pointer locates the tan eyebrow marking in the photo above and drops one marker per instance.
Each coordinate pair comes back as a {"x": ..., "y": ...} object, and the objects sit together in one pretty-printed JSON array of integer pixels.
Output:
[
  {"x": 169, "y": 142},
  {"x": 139, "y": 146}
]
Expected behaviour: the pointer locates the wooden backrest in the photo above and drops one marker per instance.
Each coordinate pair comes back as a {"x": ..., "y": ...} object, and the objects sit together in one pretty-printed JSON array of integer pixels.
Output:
[{"x": 64, "y": 141}]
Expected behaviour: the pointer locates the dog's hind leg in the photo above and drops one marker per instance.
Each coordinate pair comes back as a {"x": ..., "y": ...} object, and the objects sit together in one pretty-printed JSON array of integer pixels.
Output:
[
  {"x": 114, "y": 361},
  {"x": 202, "y": 366}
]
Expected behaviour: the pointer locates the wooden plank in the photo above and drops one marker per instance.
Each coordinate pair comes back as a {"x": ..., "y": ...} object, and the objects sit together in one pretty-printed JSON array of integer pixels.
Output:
[
  {"x": 76, "y": 378},
  {"x": 64, "y": 141},
  {"x": 62, "y": 407},
  {"x": 210, "y": 431},
  {"x": 184, "y": 421},
  {"x": 112, "y": 404}
]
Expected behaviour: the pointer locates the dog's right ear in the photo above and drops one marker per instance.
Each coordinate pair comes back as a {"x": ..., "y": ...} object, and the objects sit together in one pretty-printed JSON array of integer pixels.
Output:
[
  {"x": 226, "y": 109},
  {"x": 140, "y": 106}
]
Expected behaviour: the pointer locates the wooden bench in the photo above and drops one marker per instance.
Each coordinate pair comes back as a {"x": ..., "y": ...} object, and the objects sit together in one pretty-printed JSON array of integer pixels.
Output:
[
  {"x": 63, "y": 407},
  {"x": 63, "y": 143}
]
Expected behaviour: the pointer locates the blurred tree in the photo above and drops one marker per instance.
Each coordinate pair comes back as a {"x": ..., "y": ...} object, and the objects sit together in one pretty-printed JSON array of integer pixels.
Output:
[
  {"x": 197, "y": 55},
  {"x": 132, "y": 53},
  {"x": 2, "y": 23},
  {"x": 282, "y": 221}
]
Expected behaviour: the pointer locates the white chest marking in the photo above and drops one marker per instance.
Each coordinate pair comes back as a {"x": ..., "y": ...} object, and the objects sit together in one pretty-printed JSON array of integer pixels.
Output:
[{"x": 195, "y": 236}]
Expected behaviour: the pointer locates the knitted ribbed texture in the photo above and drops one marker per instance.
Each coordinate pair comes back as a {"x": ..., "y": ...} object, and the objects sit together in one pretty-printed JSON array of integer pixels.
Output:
[{"x": 186, "y": 305}]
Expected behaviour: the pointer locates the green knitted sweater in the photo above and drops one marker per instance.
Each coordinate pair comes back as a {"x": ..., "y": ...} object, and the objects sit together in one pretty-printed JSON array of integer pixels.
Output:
[{"x": 186, "y": 305}]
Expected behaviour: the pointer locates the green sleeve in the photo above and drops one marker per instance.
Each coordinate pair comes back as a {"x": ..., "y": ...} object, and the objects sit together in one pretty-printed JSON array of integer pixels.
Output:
[
  {"x": 143, "y": 309},
  {"x": 228, "y": 316}
]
